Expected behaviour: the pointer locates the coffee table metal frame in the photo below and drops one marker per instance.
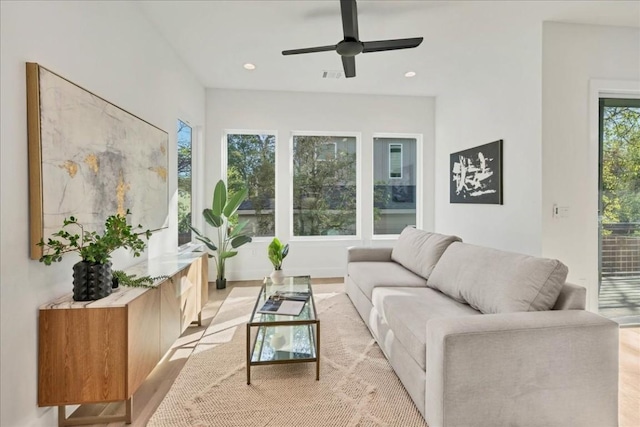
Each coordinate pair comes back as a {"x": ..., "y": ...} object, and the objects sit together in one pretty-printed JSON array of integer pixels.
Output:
[{"x": 308, "y": 317}]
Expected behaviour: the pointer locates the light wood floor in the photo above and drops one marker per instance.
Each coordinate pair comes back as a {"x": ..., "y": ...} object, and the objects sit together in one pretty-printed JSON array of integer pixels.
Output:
[{"x": 152, "y": 391}]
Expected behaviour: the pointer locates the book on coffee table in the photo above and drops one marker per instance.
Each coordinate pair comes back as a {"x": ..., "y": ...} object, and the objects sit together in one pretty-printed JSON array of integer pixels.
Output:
[
  {"x": 291, "y": 295},
  {"x": 282, "y": 306}
]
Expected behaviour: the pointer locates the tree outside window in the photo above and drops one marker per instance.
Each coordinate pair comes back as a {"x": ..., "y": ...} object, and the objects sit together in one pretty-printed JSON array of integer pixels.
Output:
[
  {"x": 324, "y": 186},
  {"x": 184, "y": 182},
  {"x": 251, "y": 164},
  {"x": 621, "y": 167}
]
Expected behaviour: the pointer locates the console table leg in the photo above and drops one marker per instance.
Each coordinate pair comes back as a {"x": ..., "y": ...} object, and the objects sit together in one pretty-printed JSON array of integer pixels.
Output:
[
  {"x": 62, "y": 415},
  {"x": 63, "y": 421},
  {"x": 128, "y": 410}
]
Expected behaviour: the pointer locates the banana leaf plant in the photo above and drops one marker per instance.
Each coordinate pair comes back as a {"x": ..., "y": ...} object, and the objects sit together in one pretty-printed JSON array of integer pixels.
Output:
[{"x": 229, "y": 236}]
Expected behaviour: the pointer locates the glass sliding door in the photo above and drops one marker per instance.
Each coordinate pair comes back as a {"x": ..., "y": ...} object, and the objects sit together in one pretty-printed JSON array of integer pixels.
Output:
[{"x": 619, "y": 228}]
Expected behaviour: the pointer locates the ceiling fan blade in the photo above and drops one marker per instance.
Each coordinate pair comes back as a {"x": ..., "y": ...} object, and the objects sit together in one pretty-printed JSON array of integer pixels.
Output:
[
  {"x": 380, "y": 45},
  {"x": 309, "y": 50},
  {"x": 349, "y": 65},
  {"x": 349, "y": 18}
]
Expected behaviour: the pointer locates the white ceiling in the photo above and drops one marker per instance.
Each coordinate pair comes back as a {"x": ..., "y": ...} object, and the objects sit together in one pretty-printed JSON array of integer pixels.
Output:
[{"x": 215, "y": 38}]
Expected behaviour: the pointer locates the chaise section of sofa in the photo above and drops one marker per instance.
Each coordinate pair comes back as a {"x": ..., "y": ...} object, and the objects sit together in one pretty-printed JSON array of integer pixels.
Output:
[{"x": 486, "y": 337}]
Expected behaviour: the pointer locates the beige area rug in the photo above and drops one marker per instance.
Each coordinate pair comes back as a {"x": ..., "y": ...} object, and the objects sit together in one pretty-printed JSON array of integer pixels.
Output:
[{"x": 357, "y": 385}]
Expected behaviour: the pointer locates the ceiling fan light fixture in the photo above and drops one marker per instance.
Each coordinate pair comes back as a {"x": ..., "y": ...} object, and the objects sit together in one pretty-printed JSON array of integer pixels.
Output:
[
  {"x": 410, "y": 74},
  {"x": 249, "y": 66}
]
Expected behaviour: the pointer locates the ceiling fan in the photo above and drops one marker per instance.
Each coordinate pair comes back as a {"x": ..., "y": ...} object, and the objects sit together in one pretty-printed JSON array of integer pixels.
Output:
[{"x": 351, "y": 45}]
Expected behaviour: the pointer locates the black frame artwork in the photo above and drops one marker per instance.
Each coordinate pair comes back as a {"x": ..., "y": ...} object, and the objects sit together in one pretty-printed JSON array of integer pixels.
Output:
[{"x": 476, "y": 175}]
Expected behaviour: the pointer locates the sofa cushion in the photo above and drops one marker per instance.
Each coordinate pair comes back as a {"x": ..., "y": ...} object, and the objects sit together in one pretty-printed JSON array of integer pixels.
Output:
[
  {"x": 368, "y": 275},
  {"x": 494, "y": 281},
  {"x": 419, "y": 250},
  {"x": 407, "y": 310}
]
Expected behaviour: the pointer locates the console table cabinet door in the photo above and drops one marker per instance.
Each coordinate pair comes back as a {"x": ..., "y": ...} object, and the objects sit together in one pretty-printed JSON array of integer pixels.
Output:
[
  {"x": 82, "y": 356},
  {"x": 170, "y": 313},
  {"x": 143, "y": 338},
  {"x": 188, "y": 298}
]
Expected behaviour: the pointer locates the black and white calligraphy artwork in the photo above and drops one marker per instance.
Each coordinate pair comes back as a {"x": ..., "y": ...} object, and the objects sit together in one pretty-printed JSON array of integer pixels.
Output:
[{"x": 476, "y": 175}]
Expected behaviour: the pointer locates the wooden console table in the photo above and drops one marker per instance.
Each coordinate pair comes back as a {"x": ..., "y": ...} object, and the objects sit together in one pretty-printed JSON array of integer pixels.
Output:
[{"x": 101, "y": 351}]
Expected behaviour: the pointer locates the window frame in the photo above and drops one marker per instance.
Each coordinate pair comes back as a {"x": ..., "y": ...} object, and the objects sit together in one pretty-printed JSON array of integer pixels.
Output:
[
  {"x": 224, "y": 157},
  {"x": 401, "y": 159},
  {"x": 197, "y": 169},
  {"x": 420, "y": 197},
  {"x": 358, "y": 180}
]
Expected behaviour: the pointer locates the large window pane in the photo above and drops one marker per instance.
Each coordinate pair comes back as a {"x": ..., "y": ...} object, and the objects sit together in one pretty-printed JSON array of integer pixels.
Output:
[
  {"x": 394, "y": 171},
  {"x": 251, "y": 164},
  {"x": 619, "y": 291},
  {"x": 324, "y": 185},
  {"x": 184, "y": 182}
]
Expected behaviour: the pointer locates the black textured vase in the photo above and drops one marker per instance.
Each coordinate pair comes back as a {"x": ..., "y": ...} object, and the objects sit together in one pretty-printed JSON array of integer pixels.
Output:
[
  {"x": 221, "y": 283},
  {"x": 91, "y": 281}
]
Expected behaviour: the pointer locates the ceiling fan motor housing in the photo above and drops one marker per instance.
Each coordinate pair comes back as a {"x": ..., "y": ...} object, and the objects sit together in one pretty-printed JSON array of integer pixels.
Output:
[{"x": 349, "y": 47}]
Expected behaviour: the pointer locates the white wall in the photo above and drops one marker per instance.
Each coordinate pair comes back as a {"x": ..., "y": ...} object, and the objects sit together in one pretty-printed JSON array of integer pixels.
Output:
[
  {"x": 284, "y": 112},
  {"x": 574, "y": 55},
  {"x": 110, "y": 49},
  {"x": 489, "y": 89}
]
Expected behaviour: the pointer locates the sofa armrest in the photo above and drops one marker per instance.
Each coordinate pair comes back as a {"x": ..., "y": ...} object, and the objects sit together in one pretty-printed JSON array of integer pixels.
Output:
[
  {"x": 546, "y": 368},
  {"x": 362, "y": 254},
  {"x": 572, "y": 297}
]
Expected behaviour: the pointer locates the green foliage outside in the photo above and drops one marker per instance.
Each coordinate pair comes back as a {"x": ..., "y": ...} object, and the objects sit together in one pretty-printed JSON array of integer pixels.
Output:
[
  {"x": 621, "y": 165},
  {"x": 324, "y": 186},
  {"x": 251, "y": 165},
  {"x": 184, "y": 182}
]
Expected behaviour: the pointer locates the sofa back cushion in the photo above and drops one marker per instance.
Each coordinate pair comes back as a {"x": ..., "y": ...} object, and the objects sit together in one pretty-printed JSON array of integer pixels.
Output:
[
  {"x": 419, "y": 250},
  {"x": 494, "y": 281}
]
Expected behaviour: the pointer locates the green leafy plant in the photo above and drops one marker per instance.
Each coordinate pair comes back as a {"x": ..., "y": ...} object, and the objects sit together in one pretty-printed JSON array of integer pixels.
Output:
[
  {"x": 91, "y": 246},
  {"x": 277, "y": 253},
  {"x": 222, "y": 216},
  {"x": 131, "y": 280}
]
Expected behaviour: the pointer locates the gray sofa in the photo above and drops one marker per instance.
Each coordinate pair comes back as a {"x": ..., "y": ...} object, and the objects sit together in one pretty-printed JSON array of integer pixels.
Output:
[{"x": 481, "y": 337}]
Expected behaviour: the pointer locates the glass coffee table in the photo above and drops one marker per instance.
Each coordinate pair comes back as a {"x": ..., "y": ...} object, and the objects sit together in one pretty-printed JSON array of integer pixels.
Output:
[{"x": 284, "y": 338}]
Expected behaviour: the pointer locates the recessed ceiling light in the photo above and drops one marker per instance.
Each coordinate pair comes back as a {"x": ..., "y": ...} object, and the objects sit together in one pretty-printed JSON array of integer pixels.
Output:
[
  {"x": 410, "y": 74},
  {"x": 249, "y": 66}
]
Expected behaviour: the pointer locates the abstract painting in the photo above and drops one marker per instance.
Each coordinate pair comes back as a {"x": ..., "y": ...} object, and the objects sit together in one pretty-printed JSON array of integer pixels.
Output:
[
  {"x": 476, "y": 175},
  {"x": 90, "y": 159}
]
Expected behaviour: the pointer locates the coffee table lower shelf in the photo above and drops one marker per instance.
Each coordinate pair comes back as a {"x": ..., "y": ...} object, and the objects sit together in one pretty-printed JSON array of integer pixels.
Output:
[{"x": 283, "y": 342}]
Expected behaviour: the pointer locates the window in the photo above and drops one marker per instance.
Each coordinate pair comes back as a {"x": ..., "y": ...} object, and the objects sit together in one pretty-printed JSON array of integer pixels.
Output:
[
  {"x": 251, "y": 164},
  {"x": 324, "y": 185},
  {"x": 327, "y": 151},
  {"x": 394, "y": 188},
  {"x": 395, "y": 161},
  {"x": 184, "y": 182}
]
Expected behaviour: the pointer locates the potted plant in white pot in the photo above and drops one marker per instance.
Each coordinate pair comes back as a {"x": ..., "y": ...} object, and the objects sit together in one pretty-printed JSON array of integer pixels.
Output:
[
  {"x": 229, "y": 236},
  {"x": 92, "y": 276},
  {"x": 277, "y": 253}
]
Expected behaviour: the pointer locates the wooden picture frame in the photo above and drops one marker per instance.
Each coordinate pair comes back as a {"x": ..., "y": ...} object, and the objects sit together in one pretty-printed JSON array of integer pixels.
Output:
[
  {"x": 476, "y": 175},
  {"x": 89, "y": 159}
]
